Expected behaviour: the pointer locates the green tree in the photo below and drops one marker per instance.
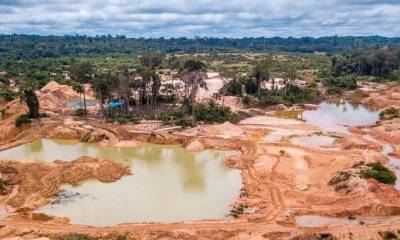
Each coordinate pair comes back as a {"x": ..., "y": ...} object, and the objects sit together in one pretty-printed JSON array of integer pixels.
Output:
[
  {"x": 289, "y": 75},
  {"x": 150, "y": 64},
  {"x": 104, "y": 86},
  {"x": 174, "y": 64},
  {"x": 226, "y": 75},
  {"x": 193, "y": 76},
  {"x": 82, "y": 73},
  {"x": 261, "y": 72}
]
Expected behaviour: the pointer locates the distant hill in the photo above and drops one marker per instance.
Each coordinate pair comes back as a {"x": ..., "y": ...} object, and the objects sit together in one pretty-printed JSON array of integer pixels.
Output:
[{"x": 35, "y": 46}]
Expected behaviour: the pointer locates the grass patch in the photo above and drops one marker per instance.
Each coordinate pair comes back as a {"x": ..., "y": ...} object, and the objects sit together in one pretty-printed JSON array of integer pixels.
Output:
[{"x": 379, "y": 172}]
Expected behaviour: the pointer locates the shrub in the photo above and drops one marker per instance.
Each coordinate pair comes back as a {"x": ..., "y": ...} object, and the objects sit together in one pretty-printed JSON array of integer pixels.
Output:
[
  {"x": 394, "y": 75},
  {"x": 74, "y": 236},
  {"x": 347, "y": 82},
  {"x": 334, "y": 90},
  {"x": 7, "y": 94},
  {"x": 249, "y": 100},
  {"x": 21, "y": 120},
  {"x": 390, "y": 113},
  {"x": 211, "y": 113},
  {"x": 239, "y": 116},
  {"x": 291, "y": 95},
  {"x": 312, "y": 84},
  {"x": 233, "y": 88},
  {"x": 387, "y": 235},
  {"x": 175, "y": 116},
  {"x": 80, "y": 112},
  {"x": 379, "y": 172},
  {"x": 123, "y": 117},
  {"x": 238, "y": 210},
  {"x": 339, "y": 178}
]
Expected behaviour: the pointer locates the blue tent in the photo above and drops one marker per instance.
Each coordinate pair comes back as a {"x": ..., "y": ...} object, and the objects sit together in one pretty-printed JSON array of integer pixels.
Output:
[{"x": 114, "y": 104}]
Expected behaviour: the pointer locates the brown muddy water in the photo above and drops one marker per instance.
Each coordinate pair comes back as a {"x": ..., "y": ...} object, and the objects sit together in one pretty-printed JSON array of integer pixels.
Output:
[{"x": 169, "y": 184}]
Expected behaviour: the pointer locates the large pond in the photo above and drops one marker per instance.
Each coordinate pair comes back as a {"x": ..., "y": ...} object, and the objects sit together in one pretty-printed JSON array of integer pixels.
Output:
[
  {"x": 339, "y": 115},
  {"x": 168, "y": 184}
]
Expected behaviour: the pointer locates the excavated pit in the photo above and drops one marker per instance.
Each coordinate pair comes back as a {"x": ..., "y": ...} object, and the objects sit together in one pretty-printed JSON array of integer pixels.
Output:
[{"x": 168, "y": 184}]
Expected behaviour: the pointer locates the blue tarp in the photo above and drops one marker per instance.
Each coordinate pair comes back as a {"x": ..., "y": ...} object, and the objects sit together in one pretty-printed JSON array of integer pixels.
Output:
[{"x": 115, "y": 104}]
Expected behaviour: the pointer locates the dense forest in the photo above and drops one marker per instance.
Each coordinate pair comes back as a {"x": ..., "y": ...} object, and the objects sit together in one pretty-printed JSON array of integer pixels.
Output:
[
  {"x": 131, "y": 71},
  {"x": 34, "y": 46}
]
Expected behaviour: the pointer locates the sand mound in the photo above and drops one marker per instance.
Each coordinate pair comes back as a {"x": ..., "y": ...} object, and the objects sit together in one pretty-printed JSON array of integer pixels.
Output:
[
  {"x": 358, "y": 143},
  {"x": 54, "y": 96},
  {"x": 195, "y": 146},
  {"x": 384, "y": 99},
  {"x": 225, "y": 129},
  {"x": 38, "y": 181}
]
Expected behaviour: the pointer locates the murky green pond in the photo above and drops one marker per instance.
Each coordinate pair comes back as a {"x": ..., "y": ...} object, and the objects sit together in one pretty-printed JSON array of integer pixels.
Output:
[
  {"x": 337, "y": 116},
  {"x": 168, "y": 184}
]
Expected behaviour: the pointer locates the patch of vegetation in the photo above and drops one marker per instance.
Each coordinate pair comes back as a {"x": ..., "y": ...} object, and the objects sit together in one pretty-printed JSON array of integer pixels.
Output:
[
  {"x": 340, "y": 177},
  {"x": 123, "y": 117},
  {"x": 233, "y": 88},
  {"x": 292, "y": 94},
  {"x": 213, "y": 113},
  {"x": 335, "y": 85},
  {"x": 21, "y": 120},
  {"x": 74, "y": 236},
  {"x": 389, "y": 113},
  {"x": 8, "y": 94},
  {"x": 80, "y": 112},
  {"x": 315, "y": 236},
  {"x": 175, "y": 116},
  {"x": 394, "y": 75},
  {"x": 387, "y": 235},
  {"x": 379, "y": 172},
  {"x": 238, "y": 210}
]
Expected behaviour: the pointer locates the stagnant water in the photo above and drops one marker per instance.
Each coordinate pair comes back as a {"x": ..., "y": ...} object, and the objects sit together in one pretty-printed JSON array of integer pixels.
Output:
[
  {"x": 168, "y": 184},
  {"x": 338, "y": 116}
]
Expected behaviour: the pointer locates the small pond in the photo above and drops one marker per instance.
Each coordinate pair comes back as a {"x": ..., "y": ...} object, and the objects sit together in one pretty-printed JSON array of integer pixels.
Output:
[
  {"x": 337, "y": 116},
  {"x": 169, "y": 184}
]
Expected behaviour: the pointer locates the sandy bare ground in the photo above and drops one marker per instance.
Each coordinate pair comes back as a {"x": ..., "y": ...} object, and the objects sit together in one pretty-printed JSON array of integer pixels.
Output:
[{"x": 281, "y": 180}]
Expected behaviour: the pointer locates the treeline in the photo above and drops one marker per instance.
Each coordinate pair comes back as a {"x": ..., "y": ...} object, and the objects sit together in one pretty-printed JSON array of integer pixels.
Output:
[
  {"x": 382, "y": 63},
  {"x": 34, "y": 46}
]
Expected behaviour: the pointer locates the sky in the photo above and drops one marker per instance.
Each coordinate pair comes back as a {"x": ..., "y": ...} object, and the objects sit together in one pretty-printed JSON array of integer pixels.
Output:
[{"x": 204, "y": 18}]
